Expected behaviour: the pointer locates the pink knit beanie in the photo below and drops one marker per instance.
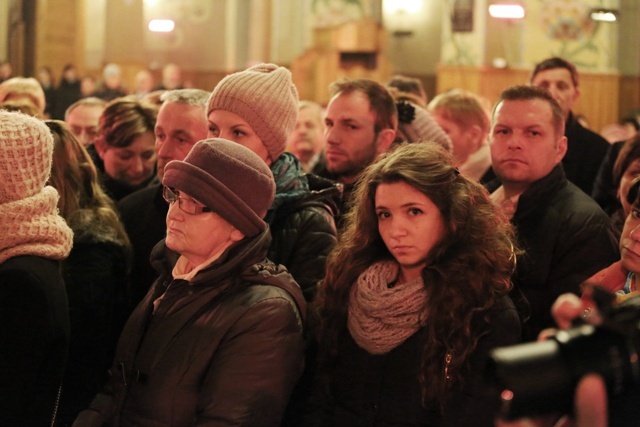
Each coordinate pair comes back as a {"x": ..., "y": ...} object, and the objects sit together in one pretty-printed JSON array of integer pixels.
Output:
[
  {"x": 26, "y": 150},
  {"x": 228, "y": 178},
  {"x": 264, "y": 96}
]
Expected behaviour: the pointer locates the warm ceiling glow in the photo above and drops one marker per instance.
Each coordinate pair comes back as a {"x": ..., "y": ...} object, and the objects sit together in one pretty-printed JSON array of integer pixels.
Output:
[
  {"x": 506, "y": 11},
  {"x": 402, "y": 6},
  {"x": 161, "y": 25}
]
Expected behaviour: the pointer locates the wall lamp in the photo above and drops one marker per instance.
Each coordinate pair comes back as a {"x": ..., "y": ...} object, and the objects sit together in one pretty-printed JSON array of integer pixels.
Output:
[
  {"x": 604, "y": 15},
  {"x": 506, "y": 10}
]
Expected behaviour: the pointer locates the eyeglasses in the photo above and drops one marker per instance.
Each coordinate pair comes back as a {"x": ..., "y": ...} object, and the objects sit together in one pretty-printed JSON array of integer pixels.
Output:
[{"x": 189, "y": 206}]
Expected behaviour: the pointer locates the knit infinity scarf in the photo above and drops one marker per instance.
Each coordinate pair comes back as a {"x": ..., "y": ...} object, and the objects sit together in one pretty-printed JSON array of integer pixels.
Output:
[
  {"x": 381, "y": 318},
  {"x": 32, "y": 226}
]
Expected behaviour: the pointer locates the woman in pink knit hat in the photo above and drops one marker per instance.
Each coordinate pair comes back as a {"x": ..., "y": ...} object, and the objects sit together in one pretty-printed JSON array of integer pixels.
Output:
[
  {"x": 34, "y": 314},
  {"x": 257, "y": 108}
]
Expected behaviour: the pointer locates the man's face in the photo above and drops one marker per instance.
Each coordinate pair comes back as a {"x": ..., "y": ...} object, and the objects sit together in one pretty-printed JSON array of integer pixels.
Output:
[
  {"x": 84, "y": 121},
  {"x": 351, "y": 141},
  {"x": 307, "y": 139},
  {"x": 524, "y": 145},
  {"x": 558, "y": 82},
  {"x": 178, "y": 127}
]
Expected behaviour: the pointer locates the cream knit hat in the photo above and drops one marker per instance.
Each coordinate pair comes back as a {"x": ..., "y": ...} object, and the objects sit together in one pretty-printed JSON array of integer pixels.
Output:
[
  {"x": 264, "y": 96},
  {"x": 29, "y": 219},
  {"x": 26, "y": 149}
]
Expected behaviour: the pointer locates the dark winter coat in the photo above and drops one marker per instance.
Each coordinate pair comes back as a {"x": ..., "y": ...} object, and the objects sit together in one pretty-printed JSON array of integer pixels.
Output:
[
  {"x": 304, "y": 232},
  {"x": 144, "y": 215},
  {"x": 223, "y": 349},
  {"x": 566, "y": 238},
  {"x": 384, "y": 390},
  {"x": 585, "y": 152},
  {"x": 33, "y": 340},
  {"x": 95, "y": 276}
]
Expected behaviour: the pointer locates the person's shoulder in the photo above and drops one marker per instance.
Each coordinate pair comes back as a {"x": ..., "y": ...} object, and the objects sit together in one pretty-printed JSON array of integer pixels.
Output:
[
  {"x": 571, "y": 198},
  {"x": 139, "y": 199},
  {"x": 29, "y": 273},
  {"x": 587, "y": 136}
]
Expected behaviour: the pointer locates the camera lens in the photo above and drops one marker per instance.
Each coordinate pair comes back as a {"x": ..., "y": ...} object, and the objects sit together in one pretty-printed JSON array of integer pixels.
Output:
[{"x": 540, "y": 377}]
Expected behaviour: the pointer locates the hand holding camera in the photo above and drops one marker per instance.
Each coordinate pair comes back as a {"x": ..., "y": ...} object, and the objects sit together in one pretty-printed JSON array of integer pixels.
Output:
[{"x": 598, "y": 350}]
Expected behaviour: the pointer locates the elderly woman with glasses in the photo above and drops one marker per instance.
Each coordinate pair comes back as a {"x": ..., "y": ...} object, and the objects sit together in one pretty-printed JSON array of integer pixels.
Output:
[{"x": 218, "y": 338}]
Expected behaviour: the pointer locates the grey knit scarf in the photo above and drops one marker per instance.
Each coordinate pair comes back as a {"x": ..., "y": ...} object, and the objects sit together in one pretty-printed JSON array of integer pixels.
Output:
[{"x": 380, "y": 317}]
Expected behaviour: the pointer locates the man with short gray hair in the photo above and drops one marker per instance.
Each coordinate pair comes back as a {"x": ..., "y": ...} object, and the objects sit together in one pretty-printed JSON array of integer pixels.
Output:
[{"x": 180, "y": 124}]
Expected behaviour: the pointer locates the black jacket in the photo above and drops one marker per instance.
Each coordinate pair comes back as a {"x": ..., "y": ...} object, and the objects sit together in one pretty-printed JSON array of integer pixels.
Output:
[
  {"x": 566, "y": 239},
  {"x": 96, "y": 279},
  {"x": 34, "y": 335},
  {"x": 143, "y": 214},
  {"x": 223, "y": 349},
  {"x": 304, "y": 232},
  {"x": 585, "y": 152},
  {"x": 384, "y": 390}
]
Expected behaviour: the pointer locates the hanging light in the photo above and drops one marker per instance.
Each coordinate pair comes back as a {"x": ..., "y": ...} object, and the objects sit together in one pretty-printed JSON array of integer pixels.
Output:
[
  {"x": 161, "y": 25},
  {"x": 510, "y": 10}
]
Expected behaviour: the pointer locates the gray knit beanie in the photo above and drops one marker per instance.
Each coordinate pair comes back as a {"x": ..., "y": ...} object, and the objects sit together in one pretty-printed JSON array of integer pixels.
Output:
[
  {"x": 264, "y": 96},
  {"x": 228, "y": 178}
]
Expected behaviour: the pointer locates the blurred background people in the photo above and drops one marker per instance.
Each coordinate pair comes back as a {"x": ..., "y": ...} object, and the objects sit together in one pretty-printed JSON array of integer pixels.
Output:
[
  {"x": 143, "y": 83},
  {"x": 6, "y": 71},
  {"x": 24, "y": 89},
  {"x": 410, "y": 89},
  {"x": 83, "y": 118},
  {"x": 67, "y": 92},
  {"x": 47, "y": 81},
  {"x": 171, "y": 78},
  {"x": 306, "y": 141},
  {"x": 111, "y": 86},
  {"x": 463, "y": 117},
  {"x": 34, "y": 313}
]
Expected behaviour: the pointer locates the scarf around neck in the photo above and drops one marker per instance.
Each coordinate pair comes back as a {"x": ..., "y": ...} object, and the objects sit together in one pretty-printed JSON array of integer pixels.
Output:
[
  {"x": 32, "y": 226},
  {"x": 380, "y": 317}
]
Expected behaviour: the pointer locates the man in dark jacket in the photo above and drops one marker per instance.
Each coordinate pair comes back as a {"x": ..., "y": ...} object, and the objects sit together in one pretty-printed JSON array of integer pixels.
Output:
[
  {"x": 565, "y": 235},
  {"x": 585, "y": 149},
  {"x": 218, "y": 339},
  {"x": 180, "y": 124}
]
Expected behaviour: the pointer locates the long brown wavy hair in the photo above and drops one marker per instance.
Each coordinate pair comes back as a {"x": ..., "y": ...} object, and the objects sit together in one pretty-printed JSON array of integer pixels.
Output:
[
  {"x": 466, "y": 272},
  {"x": 75, "y": 177}
]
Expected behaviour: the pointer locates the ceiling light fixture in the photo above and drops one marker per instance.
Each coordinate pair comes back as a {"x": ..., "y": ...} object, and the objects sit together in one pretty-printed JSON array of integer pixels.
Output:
[
  {"x": 506, "y": 10},
  {"x": 161, "y": 25}
]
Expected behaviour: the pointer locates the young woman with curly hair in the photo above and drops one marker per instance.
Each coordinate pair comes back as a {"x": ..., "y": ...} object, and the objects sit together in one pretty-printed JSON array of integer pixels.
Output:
[{"x": 414, "y": 299}]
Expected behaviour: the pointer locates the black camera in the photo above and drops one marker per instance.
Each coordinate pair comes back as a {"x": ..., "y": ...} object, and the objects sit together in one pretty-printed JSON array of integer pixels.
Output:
[{"x": 540, "y": 377}]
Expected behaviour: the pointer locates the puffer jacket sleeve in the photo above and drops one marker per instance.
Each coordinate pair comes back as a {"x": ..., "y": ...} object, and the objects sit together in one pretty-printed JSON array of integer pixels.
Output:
[
  {"x": 302, "y": 243},
  {"x": 250, "y": 380}
]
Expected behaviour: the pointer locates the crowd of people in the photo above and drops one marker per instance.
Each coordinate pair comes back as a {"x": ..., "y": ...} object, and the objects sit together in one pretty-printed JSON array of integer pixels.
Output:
[{"x": 178, "y": 256}]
